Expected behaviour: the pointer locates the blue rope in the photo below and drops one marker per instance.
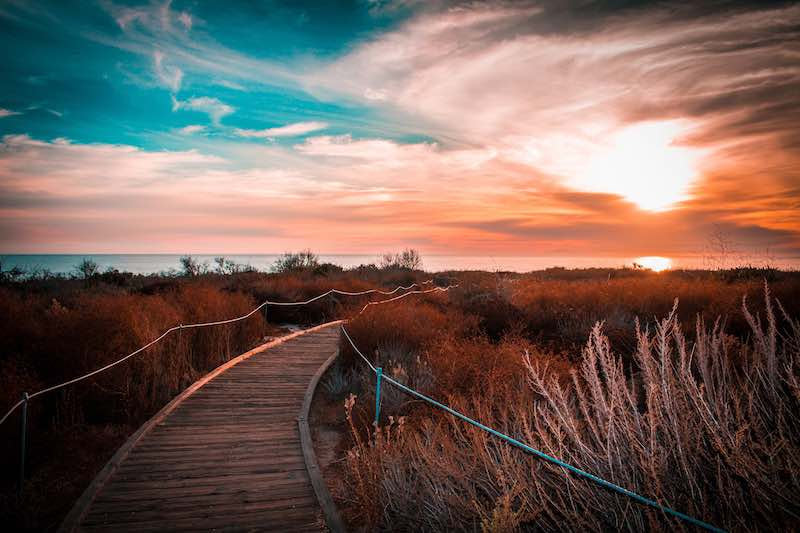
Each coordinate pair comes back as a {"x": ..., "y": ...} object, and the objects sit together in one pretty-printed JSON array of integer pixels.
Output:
[
  {"x": 534, "y": 451},
  {"x": 379, "y": 374}
]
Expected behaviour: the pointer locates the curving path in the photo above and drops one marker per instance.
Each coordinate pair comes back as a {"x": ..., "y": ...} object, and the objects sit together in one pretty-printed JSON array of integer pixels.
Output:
[{"x": 226, "y": 454}]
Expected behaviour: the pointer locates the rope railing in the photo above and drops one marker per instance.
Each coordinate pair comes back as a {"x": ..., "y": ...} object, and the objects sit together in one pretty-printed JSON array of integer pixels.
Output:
[
  {"x": 346, "y": 293},
  {"x": 380, "y": 376},
  {"x": 409, "y": 293},
  {"x": 27, "y": 398}
]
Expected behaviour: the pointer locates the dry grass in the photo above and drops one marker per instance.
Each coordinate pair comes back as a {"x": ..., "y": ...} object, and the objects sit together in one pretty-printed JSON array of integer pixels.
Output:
[
  {"x": 53, "y": 330},
  {"x": 56, "y": 340},
  {"x": 47, "y": 341},
  {"x": 706, "y": 424}
]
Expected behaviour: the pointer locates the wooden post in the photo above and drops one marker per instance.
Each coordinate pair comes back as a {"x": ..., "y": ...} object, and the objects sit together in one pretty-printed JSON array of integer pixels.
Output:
[
  {"x": 23, "y": 438},
  {"x": 379, "y": 372}
]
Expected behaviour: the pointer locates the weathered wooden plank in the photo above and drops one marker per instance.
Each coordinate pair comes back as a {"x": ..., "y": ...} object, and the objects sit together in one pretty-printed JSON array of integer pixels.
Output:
[
  {"x": 200, "y": 472},
  {"x": 167, "y": 440},
  {"x": 197, "y": 495},
  {"x": 213, "y": 463},
  {"x": 208, "y": 481},
  {"x": 298, "y": 520},
  {"x": 217, "y": 439},
  {"x": 226, "y": 455},
  {"x": 306, "y": 506},
  {"x": 251, "y": 516}
]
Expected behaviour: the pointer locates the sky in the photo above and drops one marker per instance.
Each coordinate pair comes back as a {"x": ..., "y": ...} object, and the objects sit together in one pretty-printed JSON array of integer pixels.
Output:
[{"x": 542, "y": 128}]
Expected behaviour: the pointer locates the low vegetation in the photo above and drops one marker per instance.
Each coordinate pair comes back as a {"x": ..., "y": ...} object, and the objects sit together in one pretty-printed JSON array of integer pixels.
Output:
[
  {"x": 294, "y": 262},
  {"x": 408, "y": 259},
  {"x": 54, "y": 328},
  {"x": 691, "y": 403},
  {"x": 509, "y": 349}
]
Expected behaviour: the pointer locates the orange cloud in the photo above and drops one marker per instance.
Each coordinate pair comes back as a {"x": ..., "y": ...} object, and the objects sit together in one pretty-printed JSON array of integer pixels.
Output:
[{"x": 536, "y": 141}]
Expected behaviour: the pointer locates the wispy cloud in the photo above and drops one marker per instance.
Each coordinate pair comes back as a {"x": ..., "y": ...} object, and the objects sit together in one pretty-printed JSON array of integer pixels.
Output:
[
  {"x": 290, "y": 130},
  {"x": 528, "y": 89},
  {"x": 375, "y": 94},
  {"x": 229, "y": 84},
  {"x": 213, "y": 107},
  {"x": 170, "y": 76},
  {"x": 185, "y": 19},
  {"x": 38, "y": 107},
  {"x": 7, "y": 113},
  {"x": 159, "y": 27},
  {"x": 372, "y": 149},
  {"x": 491, "y": 127},
  {"x": 191, "y": 129},
  {"x": 59, "y": 195},
  {"x": 366, "y": 191}
]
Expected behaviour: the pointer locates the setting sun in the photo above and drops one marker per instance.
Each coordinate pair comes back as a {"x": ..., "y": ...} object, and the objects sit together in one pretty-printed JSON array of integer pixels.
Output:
[
  {"x": 654, "y": 262},
  {"x": 642, "y": 164}
]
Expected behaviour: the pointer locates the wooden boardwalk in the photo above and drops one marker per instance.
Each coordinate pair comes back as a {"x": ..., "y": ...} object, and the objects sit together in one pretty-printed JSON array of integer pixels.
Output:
[{"x": 224, "y": 455}]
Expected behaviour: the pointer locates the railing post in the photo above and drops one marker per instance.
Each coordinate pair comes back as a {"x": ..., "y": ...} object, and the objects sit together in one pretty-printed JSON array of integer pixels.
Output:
[
  {"x": 379, "y": 372},
  {"x": 23, "y": 438}
]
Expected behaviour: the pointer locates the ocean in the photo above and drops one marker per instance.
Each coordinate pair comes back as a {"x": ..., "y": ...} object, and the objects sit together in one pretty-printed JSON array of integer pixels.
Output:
[{"x": 155, "y": 263}]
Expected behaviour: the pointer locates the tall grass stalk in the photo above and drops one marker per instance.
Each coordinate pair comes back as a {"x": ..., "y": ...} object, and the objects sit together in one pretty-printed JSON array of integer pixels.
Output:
[{"x": 706, "y": 425}]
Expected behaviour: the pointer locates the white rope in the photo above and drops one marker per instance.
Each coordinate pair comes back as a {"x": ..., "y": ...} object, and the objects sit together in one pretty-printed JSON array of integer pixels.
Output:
[
  {"x": 354, "y": 347},
  {"x": 346, "y": 334},
  {"x": 346, "y": 293},
  {"x": 427, "y": 291},
  {"x": 14, "y": 408},
  {"x": 216, "y": 323},
  {"x": 220, "y": 322}
]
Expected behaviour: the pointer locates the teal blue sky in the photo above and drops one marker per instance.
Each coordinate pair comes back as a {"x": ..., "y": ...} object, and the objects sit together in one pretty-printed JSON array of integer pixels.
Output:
[
  {"x": 83, "y": 71},
  {"x": 523, "y": 128}
]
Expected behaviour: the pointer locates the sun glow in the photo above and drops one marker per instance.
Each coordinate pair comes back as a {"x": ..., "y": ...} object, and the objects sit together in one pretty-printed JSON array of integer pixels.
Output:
[
  {"x": 654, "y": 262},
  {"x": 642, "y": 165}
]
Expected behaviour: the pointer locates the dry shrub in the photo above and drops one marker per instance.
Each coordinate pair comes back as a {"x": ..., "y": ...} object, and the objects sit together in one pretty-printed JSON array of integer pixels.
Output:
[
  {"x": 405, "y": 326},
  {"x": 474, "y": 365},
  {"x": 96, "y": 329},
  {"x": 562, "y": 313},
  {"x": 434, "y": 474},
  {"x": 299, "y": 286},
  {"x": 304, "y": 285},
  {"x": 339, "y": 381},
  {"x": 211, "y": 346},
  {"x": 395, "y": 337},
  {"x": 49, "y": 341},
  {"x": 57, "y": 329},
  {"x": 707, "y": 426},
  {"x": 489, "y": 298}
]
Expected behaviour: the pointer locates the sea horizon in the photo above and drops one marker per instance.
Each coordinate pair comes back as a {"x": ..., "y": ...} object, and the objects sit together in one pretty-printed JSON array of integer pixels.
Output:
[{"x": 155, "y": 263}]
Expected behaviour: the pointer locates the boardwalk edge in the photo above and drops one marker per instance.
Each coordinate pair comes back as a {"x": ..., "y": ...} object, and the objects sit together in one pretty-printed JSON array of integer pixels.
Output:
[
  {"x": 73, "y": 519},
  {"x": 332, "y": 518}
]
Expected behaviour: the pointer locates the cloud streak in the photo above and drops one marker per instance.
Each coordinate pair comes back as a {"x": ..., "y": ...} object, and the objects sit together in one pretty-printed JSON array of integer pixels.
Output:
[
  {"x": 213, "y": 107},
  {"x": 490, "y": 128},
  {"x": 290, "y": 130},
  {"x": 551, "y": 99},
  {"x": 170, "y": 76}
]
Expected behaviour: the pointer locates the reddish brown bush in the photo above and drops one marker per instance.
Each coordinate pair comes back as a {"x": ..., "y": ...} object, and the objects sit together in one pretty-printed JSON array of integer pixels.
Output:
[
  {"x": 705, "y": 425},
  {"x": 57, "y": 329},
  {"x": 465, "y": 347}
]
